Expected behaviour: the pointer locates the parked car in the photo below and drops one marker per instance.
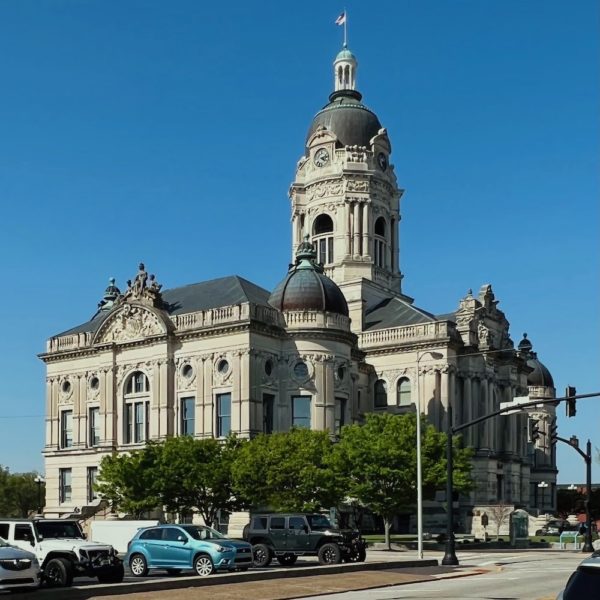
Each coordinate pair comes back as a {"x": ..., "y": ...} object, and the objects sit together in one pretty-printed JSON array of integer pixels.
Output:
[
  {"x": 19, "y": 569},
  {"x": 584, "y": 582},
  {"x": 178, "y": 547},
  {"x": 288, "y": 536},
  {"x": 62, "y": 550},
  {"x": 556, "y": 527}
]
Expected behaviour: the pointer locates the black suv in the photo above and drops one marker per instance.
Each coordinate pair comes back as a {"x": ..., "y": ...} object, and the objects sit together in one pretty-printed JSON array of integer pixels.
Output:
[{"x": 290, "y": 535}]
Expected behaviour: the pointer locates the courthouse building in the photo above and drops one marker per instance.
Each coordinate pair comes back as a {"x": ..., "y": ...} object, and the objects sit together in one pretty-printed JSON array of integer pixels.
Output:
[{"x": 336, "y": 339}]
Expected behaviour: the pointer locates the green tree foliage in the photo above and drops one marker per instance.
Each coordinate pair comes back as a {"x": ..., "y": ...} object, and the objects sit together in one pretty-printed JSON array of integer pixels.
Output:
[
  {"x": 19, "y": 494},
  {"x": 379, "y": 462},
  {"x": 288, "y": 471},
  {"x": 196, "y": 474},
  {"x": 128, "y": 481}
]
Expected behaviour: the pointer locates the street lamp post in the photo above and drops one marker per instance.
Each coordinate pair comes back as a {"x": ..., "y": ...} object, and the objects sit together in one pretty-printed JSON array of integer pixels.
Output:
[
  {"x": 542, "y": 485},
  {"x": 39, "y": 481},
  {"x": 435, "y": 356}
]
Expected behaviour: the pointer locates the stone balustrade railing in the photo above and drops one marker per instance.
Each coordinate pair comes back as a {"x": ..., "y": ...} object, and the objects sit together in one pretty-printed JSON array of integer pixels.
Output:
[
  {"x": 409, "y": 333},
  {"x": 297, "y": 319},
  {"x": 183, "y": 322}
]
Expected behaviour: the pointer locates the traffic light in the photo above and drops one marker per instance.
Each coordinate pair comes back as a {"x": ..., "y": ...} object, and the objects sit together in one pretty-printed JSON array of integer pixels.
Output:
[
  {"x": 571, "y": 407},
  {"x": 534, "y": 430},
  {"x": 553, "y": 432}
]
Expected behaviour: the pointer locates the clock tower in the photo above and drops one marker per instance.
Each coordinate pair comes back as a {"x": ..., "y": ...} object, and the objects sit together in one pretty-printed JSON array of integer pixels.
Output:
[{"x": 346, "y": 198}]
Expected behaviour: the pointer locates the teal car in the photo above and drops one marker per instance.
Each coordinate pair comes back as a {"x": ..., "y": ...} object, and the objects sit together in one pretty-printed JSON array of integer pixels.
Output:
[{"x": 175, "y": 548}]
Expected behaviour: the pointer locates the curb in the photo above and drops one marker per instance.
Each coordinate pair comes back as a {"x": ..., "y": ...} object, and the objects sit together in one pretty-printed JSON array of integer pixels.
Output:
[{"x": 89, "y": 591}]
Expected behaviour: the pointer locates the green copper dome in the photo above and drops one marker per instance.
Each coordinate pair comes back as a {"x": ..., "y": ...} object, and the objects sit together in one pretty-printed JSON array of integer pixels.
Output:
[{"x": 345, "y": 54}]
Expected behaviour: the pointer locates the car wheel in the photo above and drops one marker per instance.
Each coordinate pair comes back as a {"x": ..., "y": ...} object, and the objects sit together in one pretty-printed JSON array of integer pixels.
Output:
[
  {"x": 262, "y": 556},
  {"x": 58, "y": 573},
  {"x": 329, "y": 554},
  {"x": 203, "y": 565},
  {"x": 115, "y": 575},
  {"x": 173, "y": 571},
  {"x": 138, "y": 565},
  {"x": 287, "y": 560},
  {"x": 358, "y": 556}
]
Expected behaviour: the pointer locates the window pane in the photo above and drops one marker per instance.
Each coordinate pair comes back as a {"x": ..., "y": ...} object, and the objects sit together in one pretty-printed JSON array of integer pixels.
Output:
[
  {"x": 404, "y": 393},
  {"x": 301, "y": 411},
  {"x": 330, "y": 250},
  {"x": 128, "y": 423},
  {"x": 223, "y": 415},
  {"x": 340, "y": 414},
  {"x": 92, "y": 476},
  {"x": 94, "y": 426},
  {"x": 65, "y": 485},
  {"x": 268, "y": 402},
  {"x": 66, "y": 424},
  {"x": 140, "y": 426},
  {"x": 187, "y": 416},
  {"x": 277, "y": 523}
]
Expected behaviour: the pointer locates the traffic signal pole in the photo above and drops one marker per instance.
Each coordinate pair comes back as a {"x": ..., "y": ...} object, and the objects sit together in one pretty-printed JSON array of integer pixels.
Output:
[{"x": 450, "y": 557}]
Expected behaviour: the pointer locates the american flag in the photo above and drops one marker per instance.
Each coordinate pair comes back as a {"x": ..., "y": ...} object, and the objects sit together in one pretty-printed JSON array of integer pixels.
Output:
[{"x": 341, "y": 19}]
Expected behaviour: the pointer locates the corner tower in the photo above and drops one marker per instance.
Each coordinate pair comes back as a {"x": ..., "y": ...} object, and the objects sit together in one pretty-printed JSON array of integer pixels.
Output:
[{"x": 345, "y": 194}]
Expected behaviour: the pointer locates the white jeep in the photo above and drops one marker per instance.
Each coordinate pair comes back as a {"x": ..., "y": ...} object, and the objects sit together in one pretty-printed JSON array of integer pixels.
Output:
[{"x": 62, "y": 550}]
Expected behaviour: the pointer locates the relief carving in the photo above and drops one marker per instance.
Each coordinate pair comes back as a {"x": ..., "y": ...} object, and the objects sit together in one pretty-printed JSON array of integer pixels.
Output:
[
  {"x": 361, "y": 185},
  {"x": 131, "y": 322}
]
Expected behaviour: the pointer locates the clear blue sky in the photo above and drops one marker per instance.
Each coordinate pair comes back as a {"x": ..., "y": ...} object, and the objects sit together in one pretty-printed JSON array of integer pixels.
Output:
[{"x": 169, "y": 132}]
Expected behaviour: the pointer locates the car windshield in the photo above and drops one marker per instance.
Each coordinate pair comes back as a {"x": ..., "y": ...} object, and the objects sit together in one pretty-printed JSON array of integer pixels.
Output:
[
  {"x": 56, "y": 529},
  {"x": 318, "y": 522},
  {"x": 200, "y": 532}
]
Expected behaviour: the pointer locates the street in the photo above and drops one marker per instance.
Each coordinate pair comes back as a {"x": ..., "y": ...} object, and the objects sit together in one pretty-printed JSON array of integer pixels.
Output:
[{"x": 514, "y": 576}]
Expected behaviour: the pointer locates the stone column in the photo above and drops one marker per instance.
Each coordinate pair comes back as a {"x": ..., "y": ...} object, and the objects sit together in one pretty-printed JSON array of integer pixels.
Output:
[
  {"x": 483, "y": 402},
  {"x": 444, "y": 397},
  {"x": 347, "y": 220},
  {"x": 209, "y": 421},
  {"x": 155, "y": 403},
  {"x": 393, "y": 235},
  {"x": 199, "y": 400},
  {"x": 365, "y": 230},
  {"x": 112, "y": 421},
  {"x": 356, "y": 250},
  {"x": 468, "y": 409},
  {"x": 329, "y": 396}
]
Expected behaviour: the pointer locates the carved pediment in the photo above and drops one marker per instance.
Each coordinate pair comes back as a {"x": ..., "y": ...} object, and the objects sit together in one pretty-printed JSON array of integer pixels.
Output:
[{"x": 130, "y": 322}]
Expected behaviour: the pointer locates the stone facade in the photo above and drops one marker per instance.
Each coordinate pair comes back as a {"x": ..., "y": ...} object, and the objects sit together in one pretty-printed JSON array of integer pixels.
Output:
[{"x": 218, "y": 356}]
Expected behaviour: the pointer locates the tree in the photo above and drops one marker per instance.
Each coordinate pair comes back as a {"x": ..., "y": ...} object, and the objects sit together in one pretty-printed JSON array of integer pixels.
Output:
[
  {"x": 288, "y": 471},
  {"x": 128, "y": 481},
  {"x": 378, "y": 461},
  {"x": 197, "y": 474},
  {"x": 500, "y": 513},
  {"x": 19, "y": 494}
]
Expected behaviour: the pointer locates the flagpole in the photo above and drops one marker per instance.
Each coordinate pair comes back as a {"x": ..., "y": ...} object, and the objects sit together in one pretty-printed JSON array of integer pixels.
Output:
[{"x": 345, "y": 28}]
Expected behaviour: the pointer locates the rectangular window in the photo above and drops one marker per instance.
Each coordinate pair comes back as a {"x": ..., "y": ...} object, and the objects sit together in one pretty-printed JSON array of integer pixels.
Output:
[
  {"x": 94, "y": 426},
  {"x": 329, "y": 250},
  {"x": 223, "y": 414},
  {"x": 66, "y": 429},
  {"x": 277, "y": 522},
  {"x": 301, "y": 411},
  {"x": 340, "y": 414},
  {"x": 268, "y": 405},
  {"x": 137, "y": 421},
  {"x": 64, "y": 482},
  {"x": 188, "y": 408},
  {"x": 92, "y": 477}
]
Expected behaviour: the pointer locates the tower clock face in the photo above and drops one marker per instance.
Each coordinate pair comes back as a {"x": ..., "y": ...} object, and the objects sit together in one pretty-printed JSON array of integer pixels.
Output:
[
  {"x": 321, "y": 157},
  {"x": 382, "y": 161}
]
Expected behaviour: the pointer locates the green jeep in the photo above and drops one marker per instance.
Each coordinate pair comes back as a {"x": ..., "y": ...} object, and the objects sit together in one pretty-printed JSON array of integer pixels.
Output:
[{"x": 286, "y": 536}]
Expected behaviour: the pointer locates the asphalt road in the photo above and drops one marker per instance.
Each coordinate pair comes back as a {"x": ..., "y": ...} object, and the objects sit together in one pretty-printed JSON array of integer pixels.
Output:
[{"x": 518, "y": 576}]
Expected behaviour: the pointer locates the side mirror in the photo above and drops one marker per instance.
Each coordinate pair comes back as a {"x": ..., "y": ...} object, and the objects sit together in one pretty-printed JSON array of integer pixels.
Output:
[
  {"x": 180, "y": 538},
  {"x": 32, "y": 542},
  {"x": 305, "y": 528}
]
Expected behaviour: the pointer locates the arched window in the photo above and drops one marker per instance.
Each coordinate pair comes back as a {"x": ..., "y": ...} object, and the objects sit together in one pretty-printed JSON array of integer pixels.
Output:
[
  {"x": 379, "y": 242},
  {"x": 380, "y": 393},
  {"x": 323, "y": 238},
  {"x": 136, "y": 409},
  {"x": 403, "y": 392}
]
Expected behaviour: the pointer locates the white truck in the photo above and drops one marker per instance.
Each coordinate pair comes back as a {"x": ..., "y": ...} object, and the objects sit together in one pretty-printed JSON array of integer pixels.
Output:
[
  {"x": 119, "y": 532},
  {"x": 62, "y": 550}
]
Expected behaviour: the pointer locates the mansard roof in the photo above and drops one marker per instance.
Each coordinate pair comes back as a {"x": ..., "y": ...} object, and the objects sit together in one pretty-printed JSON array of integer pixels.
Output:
[
  {"x": 225, "y": 291},
  {"x": 395, "y": 312}
]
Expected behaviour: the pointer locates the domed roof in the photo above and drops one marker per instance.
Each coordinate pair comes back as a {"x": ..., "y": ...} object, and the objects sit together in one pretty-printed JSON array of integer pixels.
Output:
[
  {"x": 540, "y": 376},
  {"x": 345, "y": 54},
  {"x": 350, "y": 120},
  {"x": 306, "y": 287}
]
